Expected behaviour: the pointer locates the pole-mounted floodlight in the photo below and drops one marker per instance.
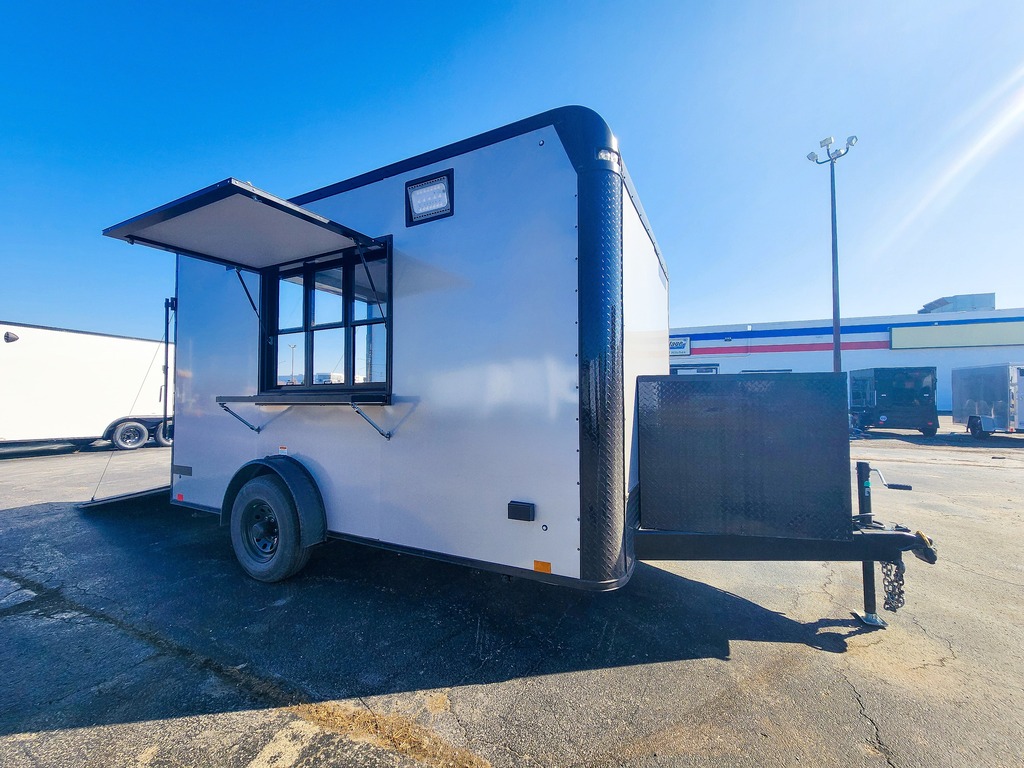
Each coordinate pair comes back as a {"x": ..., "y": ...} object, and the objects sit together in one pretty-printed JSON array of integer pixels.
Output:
[{"x": 832, "y": 156}]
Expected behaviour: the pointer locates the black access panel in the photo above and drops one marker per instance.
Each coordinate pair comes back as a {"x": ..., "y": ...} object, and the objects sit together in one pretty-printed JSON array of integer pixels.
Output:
[{"x": 745, "y": 455}]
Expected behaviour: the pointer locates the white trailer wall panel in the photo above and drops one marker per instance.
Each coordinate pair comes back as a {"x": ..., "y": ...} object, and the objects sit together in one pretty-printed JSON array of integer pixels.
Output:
[
  {"x": 645, "y": 320},
  {"x": 496, "y": 399}
]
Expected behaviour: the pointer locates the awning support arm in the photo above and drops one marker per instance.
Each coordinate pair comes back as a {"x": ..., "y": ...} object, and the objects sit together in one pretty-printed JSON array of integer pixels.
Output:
[
  {"x": 248, "y": 295},
  {"x": 357, "y": 409},
  {"x": 254, "y": 428},
  {"x": 376, "y": 296}
]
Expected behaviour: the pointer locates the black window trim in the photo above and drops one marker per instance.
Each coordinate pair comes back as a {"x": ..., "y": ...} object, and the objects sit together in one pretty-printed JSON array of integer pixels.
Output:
[{"x": 350, "y": 260}]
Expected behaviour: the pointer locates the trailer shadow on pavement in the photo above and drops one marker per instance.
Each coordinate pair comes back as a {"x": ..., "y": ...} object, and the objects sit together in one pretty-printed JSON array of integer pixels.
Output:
[
  {"x": 996, "y": 441},
  {"x": 21, "y": 451},
  {"x": 139, "y": 612}
]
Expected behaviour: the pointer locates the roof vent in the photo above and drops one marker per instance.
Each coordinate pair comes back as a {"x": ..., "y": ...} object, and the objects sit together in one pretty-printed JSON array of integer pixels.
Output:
[{"x": 966, "y": 302}]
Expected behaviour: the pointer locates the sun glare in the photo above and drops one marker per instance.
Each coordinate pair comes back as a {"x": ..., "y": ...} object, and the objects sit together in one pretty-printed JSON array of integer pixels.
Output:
[{"x": 996, "y": 134}]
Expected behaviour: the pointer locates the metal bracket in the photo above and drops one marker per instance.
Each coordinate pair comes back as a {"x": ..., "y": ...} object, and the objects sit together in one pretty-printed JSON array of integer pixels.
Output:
[
  {"x": 254, "y": 428},
  {"x": 381, "y": 432},
  {"x": 369, "y": 278}
]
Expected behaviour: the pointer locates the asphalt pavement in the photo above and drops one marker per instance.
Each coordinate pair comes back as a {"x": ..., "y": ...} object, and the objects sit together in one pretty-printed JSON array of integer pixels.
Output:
[{"x": 131, "y": 637}]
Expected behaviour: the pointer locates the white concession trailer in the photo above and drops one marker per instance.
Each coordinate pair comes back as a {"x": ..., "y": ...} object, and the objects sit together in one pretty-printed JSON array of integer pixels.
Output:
[
  {"x": 444, "y": 356},
  {"x": 59, "y": 385}
]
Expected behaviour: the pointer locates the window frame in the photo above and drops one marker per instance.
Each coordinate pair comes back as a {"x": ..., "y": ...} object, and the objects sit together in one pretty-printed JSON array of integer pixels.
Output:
[{"x": 350, "y": 261}]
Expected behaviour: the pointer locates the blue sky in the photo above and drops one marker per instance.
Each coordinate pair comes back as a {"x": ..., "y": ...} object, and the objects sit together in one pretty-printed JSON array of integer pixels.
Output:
[{"x": 107, "y": 110}]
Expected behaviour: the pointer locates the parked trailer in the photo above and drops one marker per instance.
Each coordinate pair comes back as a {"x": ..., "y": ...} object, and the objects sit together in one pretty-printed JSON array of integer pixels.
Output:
[
  {"x": 895, "y": 398},
  {"x": 465, "y": 382},
  {"x": 986, "y": 398},
  {"x": 66, "y": 386}
]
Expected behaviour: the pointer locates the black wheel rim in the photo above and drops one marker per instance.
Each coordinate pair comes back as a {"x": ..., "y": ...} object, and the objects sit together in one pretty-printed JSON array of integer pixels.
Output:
[
  {"x": 131, "y": 436},
  {"x": 260, "y": 531}
]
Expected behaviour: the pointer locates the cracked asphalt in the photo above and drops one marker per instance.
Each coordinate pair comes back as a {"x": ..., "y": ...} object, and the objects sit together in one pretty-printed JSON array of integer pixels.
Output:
[{"x": 130, "y": 637}]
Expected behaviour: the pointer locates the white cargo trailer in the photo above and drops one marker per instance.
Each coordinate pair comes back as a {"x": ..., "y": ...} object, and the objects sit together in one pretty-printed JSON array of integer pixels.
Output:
[
  {"x": 61, "y": 385},
  {"x": 986, "y": 398},
  {"x": 464, "y": 382}
]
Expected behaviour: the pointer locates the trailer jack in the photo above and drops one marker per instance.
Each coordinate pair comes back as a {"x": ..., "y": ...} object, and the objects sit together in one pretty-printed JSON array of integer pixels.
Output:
[{"x": 892, "y": 570}]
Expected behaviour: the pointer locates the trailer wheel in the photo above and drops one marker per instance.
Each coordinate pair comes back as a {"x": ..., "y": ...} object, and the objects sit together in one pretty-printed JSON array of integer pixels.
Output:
[
  {"x": 929, "y": 431},
  {"x": 976, "y": 431},
  {"x": 265, "y": 530},
  {"x": 129, "y": 435},
  {"x": 158, "y": 435}
]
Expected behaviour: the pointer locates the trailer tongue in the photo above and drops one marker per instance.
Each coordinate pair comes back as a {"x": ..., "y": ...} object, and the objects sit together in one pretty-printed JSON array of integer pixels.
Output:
[{"x": 756, "y": 467}]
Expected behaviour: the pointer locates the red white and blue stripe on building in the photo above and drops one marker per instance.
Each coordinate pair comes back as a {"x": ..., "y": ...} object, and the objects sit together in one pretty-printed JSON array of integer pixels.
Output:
[{"x": 943, "y": 340}]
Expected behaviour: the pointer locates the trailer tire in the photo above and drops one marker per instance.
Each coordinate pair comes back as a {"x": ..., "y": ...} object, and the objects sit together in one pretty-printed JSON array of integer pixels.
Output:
[
  {"x": 265, "y": 530},
  {"x": 129, "y": 435},
  {"x": 974, "y": 427},
  {"x": 929, "y": 431},
  {"x": 158, "y": 434}
]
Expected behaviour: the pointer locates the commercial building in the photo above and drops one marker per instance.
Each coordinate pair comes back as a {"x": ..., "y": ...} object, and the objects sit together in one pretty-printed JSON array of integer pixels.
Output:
[{"x": 934, "y": 336}]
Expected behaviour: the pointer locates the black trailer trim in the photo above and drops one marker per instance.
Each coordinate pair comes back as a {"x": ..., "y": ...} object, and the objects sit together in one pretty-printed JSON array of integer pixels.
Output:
[
  {"x": 234, "y": 223},
  {"x": 606, "y": 551},
  {"x": 482, "y": 565},
  {"x": 198, "y": 507},
  {"x": 327, "y": 398}
]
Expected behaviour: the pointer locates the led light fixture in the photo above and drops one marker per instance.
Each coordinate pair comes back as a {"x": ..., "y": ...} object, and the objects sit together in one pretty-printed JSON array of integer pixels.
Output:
[
  {"x": 608, "y": 155},
  {"x": 429, "y": 198}
]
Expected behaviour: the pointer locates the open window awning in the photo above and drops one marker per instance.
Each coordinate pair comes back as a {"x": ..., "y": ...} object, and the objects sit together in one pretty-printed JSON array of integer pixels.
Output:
[{"x": 234, "y": 223}]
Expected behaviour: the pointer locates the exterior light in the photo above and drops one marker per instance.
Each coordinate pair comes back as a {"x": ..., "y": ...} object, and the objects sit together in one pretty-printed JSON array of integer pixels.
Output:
[
  {"x": 812, "y": 156},
  {"x": 429, "y": 198},
  {"x": 10, "y": 337},
  {"x": 851, "y": 141},
  {"x": 826, "y": 142},
  {"x": 608, "y": 156}
]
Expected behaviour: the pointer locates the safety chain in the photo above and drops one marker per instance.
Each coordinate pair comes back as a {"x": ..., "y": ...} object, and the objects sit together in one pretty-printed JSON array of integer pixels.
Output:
[{"x": 892, "y": 585}]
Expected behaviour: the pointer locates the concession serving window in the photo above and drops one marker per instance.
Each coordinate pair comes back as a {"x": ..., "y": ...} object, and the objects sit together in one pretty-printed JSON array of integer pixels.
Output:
[{"x": 325, "y": 289}]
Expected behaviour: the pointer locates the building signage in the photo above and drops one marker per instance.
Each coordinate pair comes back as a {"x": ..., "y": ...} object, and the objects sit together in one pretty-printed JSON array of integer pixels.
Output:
[{"x": 679, "y": 345}]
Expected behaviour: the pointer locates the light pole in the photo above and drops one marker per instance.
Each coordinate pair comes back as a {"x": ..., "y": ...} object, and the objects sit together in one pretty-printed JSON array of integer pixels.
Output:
[
  {"x": 832, "y": 156},
  {"x": 292, "y": 380}
]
